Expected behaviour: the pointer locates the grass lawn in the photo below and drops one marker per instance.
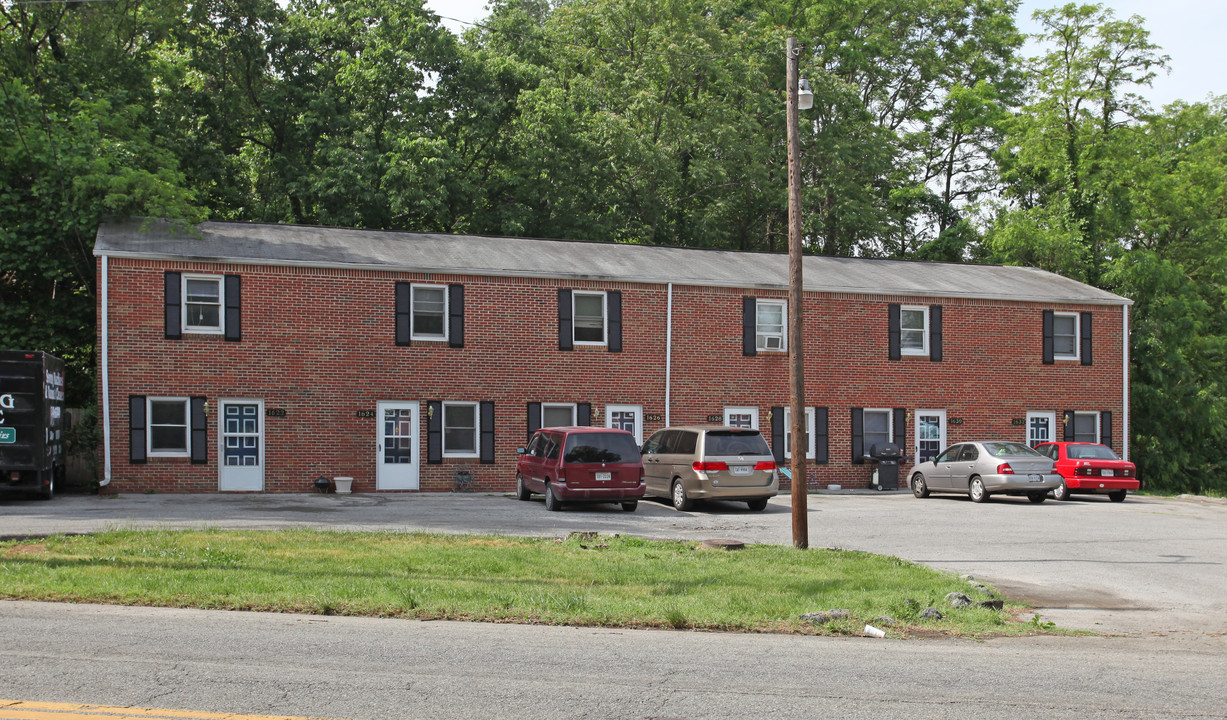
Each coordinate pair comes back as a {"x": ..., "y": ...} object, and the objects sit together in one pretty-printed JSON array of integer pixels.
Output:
[{"x": 582, "y": 580}]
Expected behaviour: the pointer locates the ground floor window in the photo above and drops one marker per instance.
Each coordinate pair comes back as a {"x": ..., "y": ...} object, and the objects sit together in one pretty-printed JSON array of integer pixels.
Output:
[
  {"x": 557, "y": 414},
  {"x": 877, "y": 428},
  {"x": 809, "y": 432},
  {"x": 1086, "y": 427},
  {"x": 168, "y": 427},
  {"x": 460, "y": 429}
]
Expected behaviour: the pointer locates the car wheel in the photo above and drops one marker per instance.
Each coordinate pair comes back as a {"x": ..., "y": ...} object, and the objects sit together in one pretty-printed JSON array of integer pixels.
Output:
[
  {"x": 757, "y": 504},
  {"x": 919, "y": 487},
  {"x": 630, "y": 505},
  {"x": 552, "y": 503},
  {"x": 680, "y": 501},
  {"x": 1117, "y": 496},
  {"x": 522, "y": 492},
  {"x": 1037, "y": 497},
  {"x": 976, "y": 490},
  {"x": 1060, "y": 492}
]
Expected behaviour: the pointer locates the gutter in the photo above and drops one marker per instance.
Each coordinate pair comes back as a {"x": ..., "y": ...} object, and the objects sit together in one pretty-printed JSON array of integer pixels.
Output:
[
  {"x": 106, "y": 378},
  {"x": 1125, "y": 370},
  {"x": 668, "y": 352}
]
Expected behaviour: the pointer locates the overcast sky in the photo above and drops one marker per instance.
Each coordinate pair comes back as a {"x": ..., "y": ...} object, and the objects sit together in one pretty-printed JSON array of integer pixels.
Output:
[{"x": 1192, "y": 32}]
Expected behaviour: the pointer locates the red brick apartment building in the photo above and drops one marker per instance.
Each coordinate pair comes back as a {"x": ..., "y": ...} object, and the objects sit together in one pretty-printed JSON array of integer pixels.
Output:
[{"x": 257, "y": 358}]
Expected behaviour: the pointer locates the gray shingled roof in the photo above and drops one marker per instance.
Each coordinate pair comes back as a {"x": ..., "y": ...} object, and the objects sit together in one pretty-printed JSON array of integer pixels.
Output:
[{"x": 298, "y": 245}]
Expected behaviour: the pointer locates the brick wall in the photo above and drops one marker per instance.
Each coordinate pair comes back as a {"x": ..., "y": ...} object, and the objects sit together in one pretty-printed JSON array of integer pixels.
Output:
[{"x": 320, "y": 344}]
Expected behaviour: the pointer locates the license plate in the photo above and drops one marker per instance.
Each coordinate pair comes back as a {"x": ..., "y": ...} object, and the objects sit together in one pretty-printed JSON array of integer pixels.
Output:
[
  {"x": 741, "y": 469},
  {"x": 1107, "y": 473},
  {"x": 1035, "y": 478},
  {"x": 603, "y": 476}
]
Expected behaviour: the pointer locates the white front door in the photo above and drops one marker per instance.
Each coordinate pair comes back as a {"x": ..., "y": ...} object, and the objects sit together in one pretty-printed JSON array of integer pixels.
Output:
[
  {"x": 1040, "y": 427},
  {"x": 930, "y": 434},
  {"x": 396, "y": 467},
  {"x": 626, "y": 417},
  {"x": 241, "y": 440}
]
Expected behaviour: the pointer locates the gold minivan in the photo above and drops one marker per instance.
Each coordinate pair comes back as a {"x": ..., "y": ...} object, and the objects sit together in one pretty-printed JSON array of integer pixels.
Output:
[{"x": 710, "y": 462}]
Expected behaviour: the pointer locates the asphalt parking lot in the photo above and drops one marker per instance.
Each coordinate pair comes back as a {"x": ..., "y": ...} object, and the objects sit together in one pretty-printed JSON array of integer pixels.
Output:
[{"x": 1146, "y": 566}]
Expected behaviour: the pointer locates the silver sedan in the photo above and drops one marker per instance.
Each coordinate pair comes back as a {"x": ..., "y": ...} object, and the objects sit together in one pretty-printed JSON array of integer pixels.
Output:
[{"x": 983, "y": 468}]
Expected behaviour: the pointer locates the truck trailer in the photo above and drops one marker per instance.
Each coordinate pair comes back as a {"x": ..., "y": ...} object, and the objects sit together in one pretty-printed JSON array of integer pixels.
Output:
[{"x": 31, "y": 422}]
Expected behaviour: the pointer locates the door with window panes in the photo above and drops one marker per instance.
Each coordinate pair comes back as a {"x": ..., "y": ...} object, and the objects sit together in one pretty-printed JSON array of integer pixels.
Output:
[
  {"x": 396, "y": 444},
  {"x": 930, "y": 434},
  {"x": 241, "y": 436},
  {"x": 626, "y": 417}
]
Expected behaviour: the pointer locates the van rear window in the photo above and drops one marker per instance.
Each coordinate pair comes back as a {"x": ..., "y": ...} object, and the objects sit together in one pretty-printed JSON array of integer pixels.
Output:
[
  {"x": 730, "y": 442},
  {"x": 601, "y": 448}
]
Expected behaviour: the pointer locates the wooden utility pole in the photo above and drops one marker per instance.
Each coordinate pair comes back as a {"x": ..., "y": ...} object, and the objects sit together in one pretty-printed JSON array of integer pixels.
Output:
[{"x": 796, "y": 363}]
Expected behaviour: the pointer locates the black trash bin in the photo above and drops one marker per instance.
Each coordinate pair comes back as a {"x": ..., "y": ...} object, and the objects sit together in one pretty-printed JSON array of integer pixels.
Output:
[{"x": 887, "y": 457}]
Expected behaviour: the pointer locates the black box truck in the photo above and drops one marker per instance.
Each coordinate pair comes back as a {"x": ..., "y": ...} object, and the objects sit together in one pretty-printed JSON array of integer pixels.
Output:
[{"x": 31, "y": 422}]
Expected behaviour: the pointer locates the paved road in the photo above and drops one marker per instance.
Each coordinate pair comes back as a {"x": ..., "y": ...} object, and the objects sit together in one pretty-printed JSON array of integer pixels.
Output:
[
  {"x": 381, "y": 669},
  {"x": 1149, "y": 566}
]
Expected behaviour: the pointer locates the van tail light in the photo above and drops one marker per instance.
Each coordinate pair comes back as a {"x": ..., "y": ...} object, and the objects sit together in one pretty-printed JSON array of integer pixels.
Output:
[
  {"x": 562, "y": 474},
  {"x": 765, "y": 465},
  {"x": 641, "y": 474},
  {"x": 698, "y": 466},
  {"x": 1005, "y": 469}
]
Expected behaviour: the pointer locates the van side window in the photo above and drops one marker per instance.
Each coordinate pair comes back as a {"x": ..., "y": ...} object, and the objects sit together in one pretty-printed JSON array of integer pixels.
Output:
[
  {"x": 554, "y": 445},
  {"x": 653, "y": 444},
  {"x": 686, "y": 442}
]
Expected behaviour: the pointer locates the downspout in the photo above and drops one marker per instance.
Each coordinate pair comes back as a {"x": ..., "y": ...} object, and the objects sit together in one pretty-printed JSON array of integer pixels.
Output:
[
  {"x": 1125, "y": 400},
  {"x": 106, "y": 381},
  {"x": 668, "y": 352}
]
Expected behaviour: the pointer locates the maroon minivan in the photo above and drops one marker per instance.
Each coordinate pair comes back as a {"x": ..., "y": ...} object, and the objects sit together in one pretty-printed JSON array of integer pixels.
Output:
[{"x": 581, "y": 464}]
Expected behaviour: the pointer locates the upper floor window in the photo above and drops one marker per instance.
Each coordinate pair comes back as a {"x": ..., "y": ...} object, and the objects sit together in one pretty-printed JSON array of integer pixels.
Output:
[
  {"x": 769, "y": 325},
  {"x": 589, "y": 314},
  {"x": 429, "y": 312},
  {"x": 1065, "y": 336},
  {"x": 202, "y": 303},
  {"x": 914, "y": 330}
]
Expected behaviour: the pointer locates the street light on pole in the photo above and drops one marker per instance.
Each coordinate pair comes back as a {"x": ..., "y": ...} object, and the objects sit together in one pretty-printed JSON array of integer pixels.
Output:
[{"x": 799, "y": 97}]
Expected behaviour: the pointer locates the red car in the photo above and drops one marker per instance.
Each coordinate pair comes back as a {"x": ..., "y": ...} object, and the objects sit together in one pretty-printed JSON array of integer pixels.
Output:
[
  {"x": 1090, "y": 468},
  {"x": 581, "y": 464}
]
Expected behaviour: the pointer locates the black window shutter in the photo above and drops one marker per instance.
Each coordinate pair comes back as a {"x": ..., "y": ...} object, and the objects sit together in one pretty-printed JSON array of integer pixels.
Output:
[
  {"x": 234, "y": 308},
  {"x": 613, "y": 303},
  {"x": 1067, "y": 417},
  {"x": 403, "y": 330},
  {"x": 935, "y": 333},
  {"x": 583, "y": 414},
  {"x": 1048, "y": 360},
  {"x": 200, "y": 426},
  {"x": 899, "y": 432},
  {"x": 1105, "y": 428},
  {"x": 174, "y": 311},
  {"x": 858, "y": 436},
  {"x": 892, "y": 330},
  {"x": 487, "y": 432},
  {"x": 434, "y": 432},
  {"x": 1085, "y": 328},
  {"x": 534, "y": 418},
  {"x": 777, "y": 433},
  {"x": 136, "y": 429},
  {"x": 822, "y": 449},
  {"x": 749, "y": 327},
  {"x": 566, "y": 338},
  {"x": 455, "y": 315}
]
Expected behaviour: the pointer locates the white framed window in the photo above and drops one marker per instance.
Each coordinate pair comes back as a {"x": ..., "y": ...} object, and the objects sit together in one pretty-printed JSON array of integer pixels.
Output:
[
  {"x": 1040, "y": 424},
  {"x": 203, "y": 300},
  {"x": 742, "y": 417},
  {"x": 1086, "y": 427},
  {"x": 168, "y": 429},
  {"x": 809, "y": 433},
  {"x": 428, "y": 312},
  {"x": 1065, "y": 345},
  {"x": 770, "y": 316},
  {"x": 877, "y": 428},
  {"x": 588, "y": 311},
  {"x": 460, "y": 429},
  {"x": 914, "y": 330},
  {"x": 557, "y": 414}
]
